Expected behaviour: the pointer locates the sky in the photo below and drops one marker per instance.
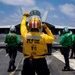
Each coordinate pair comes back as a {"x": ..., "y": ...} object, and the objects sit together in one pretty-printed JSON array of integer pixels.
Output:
[{"x": 62, "y": 12}]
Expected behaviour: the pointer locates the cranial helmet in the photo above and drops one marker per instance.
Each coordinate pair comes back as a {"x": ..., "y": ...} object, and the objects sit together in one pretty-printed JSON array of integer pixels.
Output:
[
  {"x": 34, "y": 20},
  {"x": 65, "y": 30},
  {"x": 12, "y": 29}
]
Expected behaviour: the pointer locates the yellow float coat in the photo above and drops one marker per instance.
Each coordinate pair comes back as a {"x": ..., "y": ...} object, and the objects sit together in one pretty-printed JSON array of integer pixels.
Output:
[{"x": 35, "y": 43}]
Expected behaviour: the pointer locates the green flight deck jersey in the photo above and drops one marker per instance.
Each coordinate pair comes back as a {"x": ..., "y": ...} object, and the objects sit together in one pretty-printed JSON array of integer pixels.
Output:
[
  {"x": 12, "y": 39},
  {"x": 67, "y": 40}
]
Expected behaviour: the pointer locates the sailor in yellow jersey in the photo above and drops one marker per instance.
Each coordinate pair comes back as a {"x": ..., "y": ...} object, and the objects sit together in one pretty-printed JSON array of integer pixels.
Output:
[{"x": 34, "y": 46}]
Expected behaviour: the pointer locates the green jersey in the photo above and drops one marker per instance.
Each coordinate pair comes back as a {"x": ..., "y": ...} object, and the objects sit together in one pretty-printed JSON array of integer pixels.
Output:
[
  {"x": 12, "y": 39},
  {"x": 67, "y": 40}
]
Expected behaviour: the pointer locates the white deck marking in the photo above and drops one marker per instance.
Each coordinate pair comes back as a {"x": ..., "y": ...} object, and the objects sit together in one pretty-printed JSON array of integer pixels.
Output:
[
  {"x": 59, "y": 56},
  {"x": 2, "y": 43},
  {"x": 6, "y": 55},
  {"x": 1, "y": 50}
]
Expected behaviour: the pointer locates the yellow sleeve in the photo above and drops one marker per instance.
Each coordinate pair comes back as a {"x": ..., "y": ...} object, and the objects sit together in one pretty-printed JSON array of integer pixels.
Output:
[
  {"x": 49, "y": 37},
  {"x": 23, "y": 28},
  {"x": 48, "y": 31}
]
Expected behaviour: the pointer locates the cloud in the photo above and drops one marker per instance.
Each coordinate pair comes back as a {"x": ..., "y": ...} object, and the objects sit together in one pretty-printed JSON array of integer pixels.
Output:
[
  {"x": 8, "y": 21},
  {"x": 55, "y": 16},
  {"x": 68, "y": 9},
  {"x": 19, "y": 2},
  {"x": 49, "y": 5},
  {"x": 14, "y": 18}
]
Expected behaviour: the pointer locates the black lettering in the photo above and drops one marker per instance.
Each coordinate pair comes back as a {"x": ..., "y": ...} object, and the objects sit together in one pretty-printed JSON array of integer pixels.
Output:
[
  {"x": 33, "y": 47},
  {"x": 29, "y": 40},
  {"x": 37, "y": 41}
]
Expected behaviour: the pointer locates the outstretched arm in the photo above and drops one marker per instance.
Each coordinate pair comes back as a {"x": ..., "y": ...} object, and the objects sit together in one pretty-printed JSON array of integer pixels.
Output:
[{"x": 23, "y": 28}]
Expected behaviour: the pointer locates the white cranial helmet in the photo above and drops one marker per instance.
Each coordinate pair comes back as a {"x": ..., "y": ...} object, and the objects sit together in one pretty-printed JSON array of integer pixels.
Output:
[
  {"x": 65, "y": 30},
  {"x": 12, "y": 29}
]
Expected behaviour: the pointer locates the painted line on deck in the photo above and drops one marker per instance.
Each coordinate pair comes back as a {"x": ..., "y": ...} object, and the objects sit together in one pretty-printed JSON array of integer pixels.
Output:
[
  {"x": 2, "y": 43},
  {"x": 49, "y": 59},
  {"x": 59, "y": 56},
  {"x": 6, "y": 55},
  {"x": 1, "y": 50},
  {"x": 12, "y": 73}
]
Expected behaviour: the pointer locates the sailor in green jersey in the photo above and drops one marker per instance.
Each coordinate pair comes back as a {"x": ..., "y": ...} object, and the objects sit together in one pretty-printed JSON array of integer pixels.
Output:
[
  {"x": 66, "y": 42},
  {"x": 12, "y": 40}
]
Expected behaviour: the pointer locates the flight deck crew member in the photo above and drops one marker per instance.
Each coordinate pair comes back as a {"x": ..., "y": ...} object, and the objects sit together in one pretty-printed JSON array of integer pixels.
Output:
[
  {"x": 12, "y": 40},
  {"x": 35, "y": 46},
  {"x": 66, "y": 42}
]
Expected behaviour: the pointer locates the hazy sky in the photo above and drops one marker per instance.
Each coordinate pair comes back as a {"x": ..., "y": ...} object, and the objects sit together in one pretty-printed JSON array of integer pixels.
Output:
[{"x": 62, "y": 12}]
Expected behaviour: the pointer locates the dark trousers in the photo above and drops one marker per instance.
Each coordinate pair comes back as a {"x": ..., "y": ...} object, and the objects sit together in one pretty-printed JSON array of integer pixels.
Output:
[
  {"x": 12, "y": 54},
  {"x": 66, "y": 57},
  {"x": 30, "y": 66},
  {"x": 49, "y": 46}
]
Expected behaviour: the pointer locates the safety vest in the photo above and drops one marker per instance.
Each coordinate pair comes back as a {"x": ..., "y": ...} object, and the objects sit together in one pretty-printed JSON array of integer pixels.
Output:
[{"x": 35, "y": 43}]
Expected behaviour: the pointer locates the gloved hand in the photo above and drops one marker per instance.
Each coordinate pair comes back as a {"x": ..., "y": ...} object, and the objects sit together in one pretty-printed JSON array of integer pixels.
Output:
[
  {"x": 44, "y": 25},
  {"x": 26, "y": 14}
]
